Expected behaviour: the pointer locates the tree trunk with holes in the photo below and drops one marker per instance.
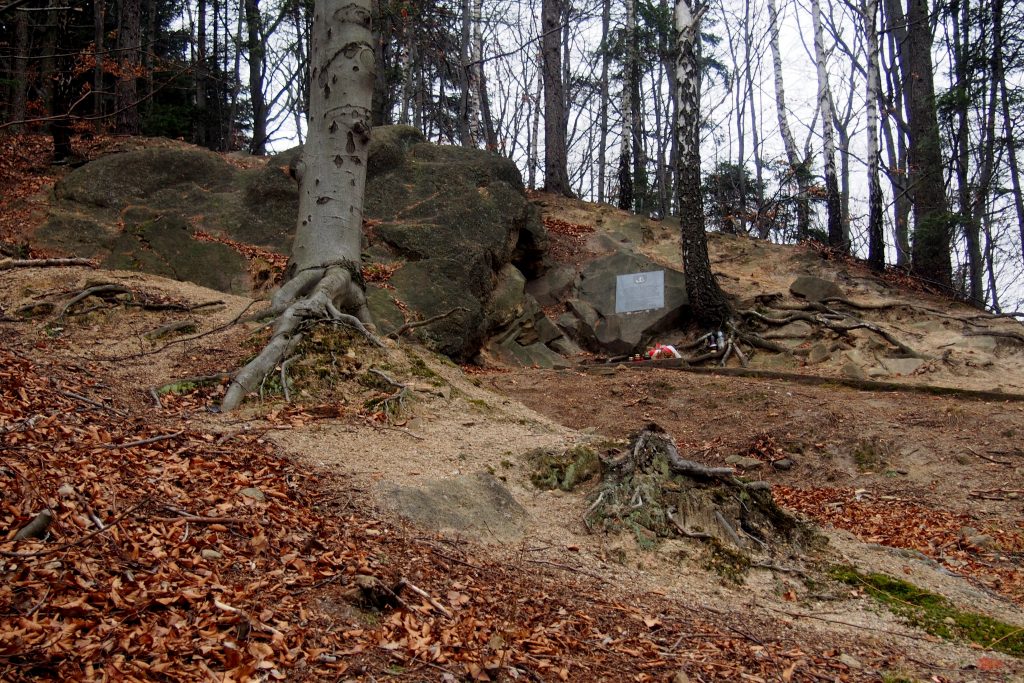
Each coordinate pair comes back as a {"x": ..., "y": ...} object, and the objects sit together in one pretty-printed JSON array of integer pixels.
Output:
[
  {"x": 707, "y": 300},
  {"x": 324, "y": 280}
]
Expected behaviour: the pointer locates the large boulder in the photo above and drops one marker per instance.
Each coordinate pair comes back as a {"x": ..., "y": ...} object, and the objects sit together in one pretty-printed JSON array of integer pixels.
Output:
[
  {"x": 449, "y": 221},
  {"x": 592, "y": 319}
]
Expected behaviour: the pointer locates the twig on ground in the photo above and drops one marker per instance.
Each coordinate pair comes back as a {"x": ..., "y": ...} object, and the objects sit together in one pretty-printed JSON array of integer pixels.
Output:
[
  {"x": 86, "y": 399},
  {"x": 987, "y": 457},
  {"x": 71, "y": 544},
  {"x": 143, "y": 442},
  {"x": 405, "y": 583},
  {"x": 107, "y": 288}
]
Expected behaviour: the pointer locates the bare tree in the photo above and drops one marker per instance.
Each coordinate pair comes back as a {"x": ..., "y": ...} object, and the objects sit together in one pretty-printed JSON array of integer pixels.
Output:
[
  {"x": 556, "y": 176},
  {"x": 324, "y": 276},
  {"x": 798, "y": 166},
  {"x": 876, "y": 233},
  {"x": 832, "y": 199},
  {"x": 706, "y": 298}
]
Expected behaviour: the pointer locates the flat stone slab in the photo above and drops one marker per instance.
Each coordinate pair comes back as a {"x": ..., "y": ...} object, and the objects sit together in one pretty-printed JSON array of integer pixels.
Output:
[
  {"x": 479, "y": 503},
  {"x": 814, "y": 288}
]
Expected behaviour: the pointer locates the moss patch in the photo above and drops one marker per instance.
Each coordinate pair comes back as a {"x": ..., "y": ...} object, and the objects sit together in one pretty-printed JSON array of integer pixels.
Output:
[
  {"x": 933, "y": 613},
  {"x": 565, "y": 470}
]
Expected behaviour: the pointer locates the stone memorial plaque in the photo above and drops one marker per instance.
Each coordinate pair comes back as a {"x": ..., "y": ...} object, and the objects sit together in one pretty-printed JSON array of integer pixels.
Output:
[{"x": 640, "y": 292}]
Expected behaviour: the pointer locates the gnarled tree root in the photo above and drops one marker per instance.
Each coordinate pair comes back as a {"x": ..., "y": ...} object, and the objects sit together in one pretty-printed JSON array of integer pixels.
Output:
[{"x": 314, "y": 294}]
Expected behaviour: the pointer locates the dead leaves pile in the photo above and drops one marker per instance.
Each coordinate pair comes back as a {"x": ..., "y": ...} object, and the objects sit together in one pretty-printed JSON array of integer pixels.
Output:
[
  {"x": 176, "y": 554},
  {"x": 902, "y": 524}
]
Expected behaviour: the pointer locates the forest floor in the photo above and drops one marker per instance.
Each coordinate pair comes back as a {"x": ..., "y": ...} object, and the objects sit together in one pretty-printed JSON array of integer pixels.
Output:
[{"x": 263, "y": 545}]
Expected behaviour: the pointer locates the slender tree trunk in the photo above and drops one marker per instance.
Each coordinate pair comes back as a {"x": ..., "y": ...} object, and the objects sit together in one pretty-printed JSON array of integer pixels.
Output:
[
  {"x": 556, "y": 175},
  {"x": 707, "y": 300},
  {"x": 999, "y": 76},
  {"x": 98, "y": 19},
  {"x": 129, "y": 42},
  {"x": 229, "y": 137},
  {"x": 627, "y": 197},
  {"x": 797, "y": 165},
  {"x": 602, "y": 150},
  {"x": 896, "y": 140},
  {"x": 479, "y": 77},
  {"x": 19, "y": 99},
  {"x": 876, "y": 229},
  {"x": 466, "y": 138},
  {"x": 832, "y": 200},
  {"x": 932, "y": 224},
  {"x": 975, "y": 290},
  {"x": 202, "y": 116},
  {"x": 534, "y": 158},
  {"x": 257, "y": 70},
  {"x": 982, "y": 190}
]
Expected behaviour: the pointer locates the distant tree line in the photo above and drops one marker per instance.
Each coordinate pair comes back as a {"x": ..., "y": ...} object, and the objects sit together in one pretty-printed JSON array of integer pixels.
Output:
[{"x": 892, "y": 132}]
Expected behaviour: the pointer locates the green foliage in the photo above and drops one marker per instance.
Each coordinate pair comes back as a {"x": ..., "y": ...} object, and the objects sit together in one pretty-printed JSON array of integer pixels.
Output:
[{"x": 934, "y": 613}]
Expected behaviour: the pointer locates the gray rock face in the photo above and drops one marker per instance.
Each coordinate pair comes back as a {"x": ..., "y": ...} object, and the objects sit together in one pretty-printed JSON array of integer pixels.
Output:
[
  {"x": 454, "y": 218},
  {"x": 814, "y": 288},
  {"x": 477, "y": 503},
  {"x": 598, "y": 327},
  {"x": 902, "y": 366}
]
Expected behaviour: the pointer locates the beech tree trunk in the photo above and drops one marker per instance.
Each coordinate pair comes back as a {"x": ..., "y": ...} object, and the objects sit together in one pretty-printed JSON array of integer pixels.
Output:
[
  {"x": 324, "y": 276},
  {"x": 833, "y": 204},
  {"x": 707, "y": 300}
]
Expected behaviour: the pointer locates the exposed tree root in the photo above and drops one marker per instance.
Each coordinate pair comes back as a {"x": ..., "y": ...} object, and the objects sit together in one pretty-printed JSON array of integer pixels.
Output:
[
  {"x": 10, "y": 263},
  {"x": 654, "y": 492},
  {"x": 312, "y": 295},
  {"x": 409, "y": 326}
]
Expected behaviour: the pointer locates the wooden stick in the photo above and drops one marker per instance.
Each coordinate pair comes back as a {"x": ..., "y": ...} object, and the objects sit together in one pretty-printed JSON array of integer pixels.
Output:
[
  {"x": 143, "y": 442},
  {"x": 405, "y": 583},
  {"x": 420, "y": 323},
  {"x": 987, "y": 457},
  {"x": 86, "y": 399}
]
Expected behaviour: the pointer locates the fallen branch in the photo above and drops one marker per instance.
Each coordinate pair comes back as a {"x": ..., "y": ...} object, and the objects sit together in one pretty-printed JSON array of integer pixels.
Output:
[
  {"x": 71, "y": 544},
  {"x": 86, "y": 399},
  {"x": 108, "y": 288},
  {"x": 405, "y": 583},
  {"x": 409, "y": 326},
  {"x": 8, "y": 264},
  {"x": 143, "y": 442},
  {"x": 36, "y": 528},
  {"x": 987, "y": 457}
]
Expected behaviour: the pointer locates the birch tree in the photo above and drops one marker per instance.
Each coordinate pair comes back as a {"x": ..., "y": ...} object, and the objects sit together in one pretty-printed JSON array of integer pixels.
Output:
[
  {"x": 324, "y": 276},
  {"x": 626, "y": 194},
  {"x": 797, "y": 164},
  {"x": 707, "y": 300},
  {"x": 876, "y": 234},
  {"x": 832, "y": 200}
]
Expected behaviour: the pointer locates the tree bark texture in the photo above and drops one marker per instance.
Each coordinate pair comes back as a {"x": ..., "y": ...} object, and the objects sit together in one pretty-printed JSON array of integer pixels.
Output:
[
  {"x": 257, "y": 69},
  {"x": 602, "y": 150},
  {"x": 833, "y": 205},
  {"x": 876, "y": 229},
  {"x": 707, "y": 300},
  {"x": 797, "y": 165},
  {"x": 129, "y": 43},
  {"x": 556, "y": 174},
  {"x": 627, "y": 193},
  {"x": 324, "y": 277},
  {"x": 932, "y": 222}
]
